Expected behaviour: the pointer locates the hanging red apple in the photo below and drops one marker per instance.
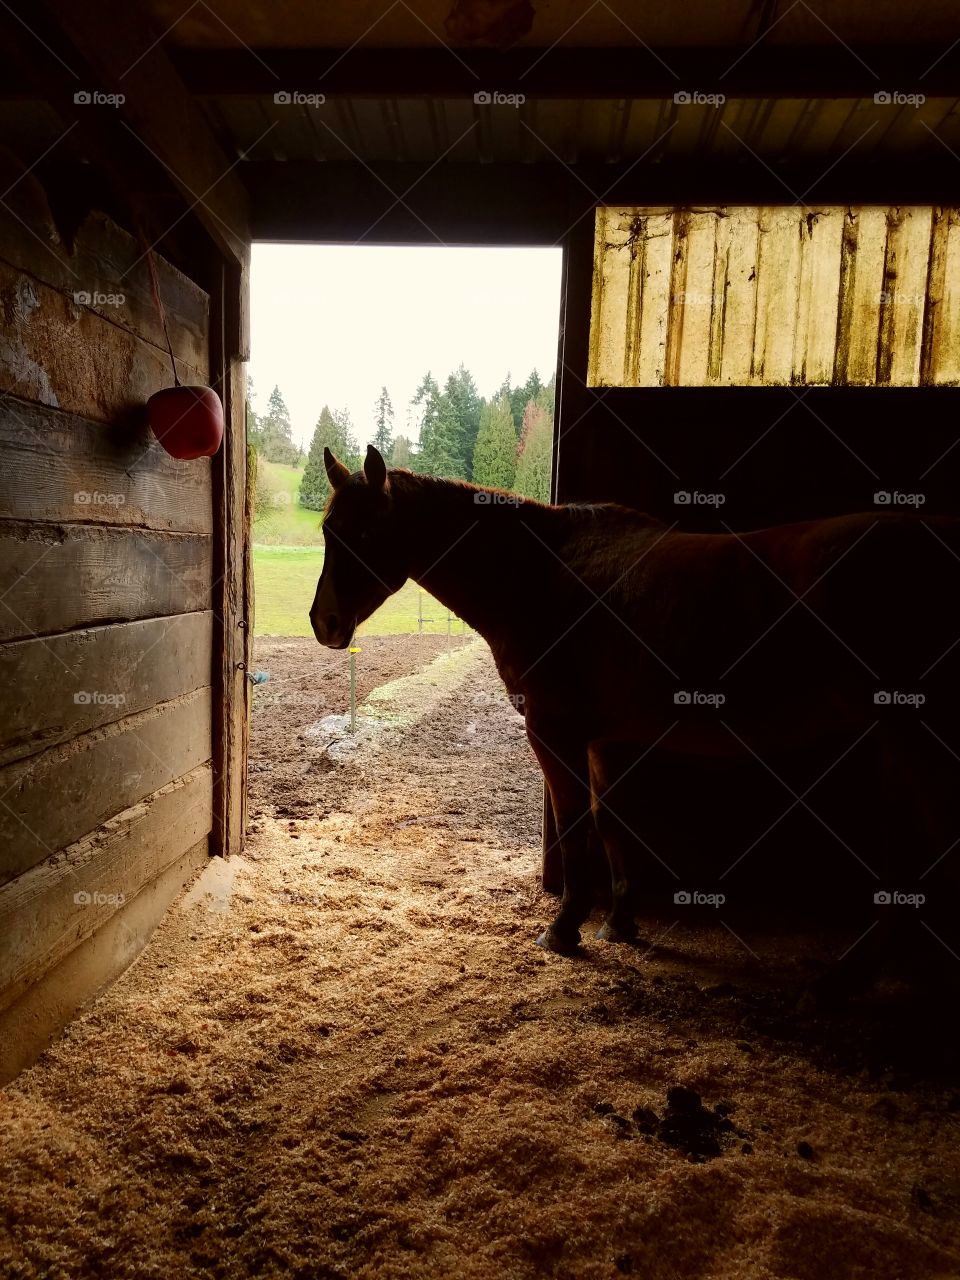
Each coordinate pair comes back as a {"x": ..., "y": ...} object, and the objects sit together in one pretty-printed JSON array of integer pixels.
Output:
[{"x": 188, "y": 421}]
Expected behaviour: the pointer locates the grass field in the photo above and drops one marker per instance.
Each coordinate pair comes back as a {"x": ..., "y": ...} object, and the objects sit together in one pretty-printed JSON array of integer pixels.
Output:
[
  {"x": 288, "y": 524},
  {"x": 285, "y": 579}
]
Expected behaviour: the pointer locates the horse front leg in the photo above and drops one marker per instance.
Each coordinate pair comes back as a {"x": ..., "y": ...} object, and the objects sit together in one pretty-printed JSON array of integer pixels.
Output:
[
  {"x": 564, "y": 764},
  {"x": 606, "y": 766}
]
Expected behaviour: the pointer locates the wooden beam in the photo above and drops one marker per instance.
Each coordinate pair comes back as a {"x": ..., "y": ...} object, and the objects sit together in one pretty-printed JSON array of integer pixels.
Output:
[
  {"x": 114, "y": 51},
  {"x": 823, "y": 70},
  {"x": 232, "y": 631},
  {"x": 452, "y": 203}
]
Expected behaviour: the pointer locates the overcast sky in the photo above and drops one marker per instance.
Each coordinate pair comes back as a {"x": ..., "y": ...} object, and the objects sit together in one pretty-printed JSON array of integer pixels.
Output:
[{"x": 332, "y": 324}]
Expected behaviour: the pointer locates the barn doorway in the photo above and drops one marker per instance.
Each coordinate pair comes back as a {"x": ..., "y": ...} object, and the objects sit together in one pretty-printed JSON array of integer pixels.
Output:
[{"x": 403, "y": 755}]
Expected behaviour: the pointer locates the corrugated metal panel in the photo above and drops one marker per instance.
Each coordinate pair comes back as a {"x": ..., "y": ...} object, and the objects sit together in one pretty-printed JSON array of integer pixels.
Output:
[{"x": 776, "y": 296}]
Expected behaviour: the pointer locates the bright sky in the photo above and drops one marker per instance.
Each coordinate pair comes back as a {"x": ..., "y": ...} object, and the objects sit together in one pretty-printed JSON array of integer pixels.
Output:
[{"x": 332, "y": 324}]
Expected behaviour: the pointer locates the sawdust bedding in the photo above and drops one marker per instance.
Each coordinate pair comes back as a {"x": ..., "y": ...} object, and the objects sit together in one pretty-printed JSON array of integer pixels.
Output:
[{"x": 360, "y": 1065}]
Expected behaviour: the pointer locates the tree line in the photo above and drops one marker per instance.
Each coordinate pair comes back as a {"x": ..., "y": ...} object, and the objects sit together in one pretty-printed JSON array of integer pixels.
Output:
[{"x": 505, "y": 441}]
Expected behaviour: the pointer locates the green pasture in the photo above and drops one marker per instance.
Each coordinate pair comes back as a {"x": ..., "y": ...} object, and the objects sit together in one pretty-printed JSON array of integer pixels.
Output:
[{"x": 285, "y": 579}]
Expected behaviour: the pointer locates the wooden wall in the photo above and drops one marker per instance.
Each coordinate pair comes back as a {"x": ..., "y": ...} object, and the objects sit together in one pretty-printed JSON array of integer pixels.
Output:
[
  {"x": 106, "y": 625},
  {"x": 750, "y": 295}
]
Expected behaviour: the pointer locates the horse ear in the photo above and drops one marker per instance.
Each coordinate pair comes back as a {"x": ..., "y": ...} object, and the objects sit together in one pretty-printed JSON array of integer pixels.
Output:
[
  {"x": 337, "y": 473},
  {"x": 375, "y": 469}
]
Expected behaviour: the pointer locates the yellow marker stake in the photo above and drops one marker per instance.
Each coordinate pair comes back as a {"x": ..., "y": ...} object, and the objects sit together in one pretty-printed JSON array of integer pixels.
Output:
[{"x": 354, "y": 650}]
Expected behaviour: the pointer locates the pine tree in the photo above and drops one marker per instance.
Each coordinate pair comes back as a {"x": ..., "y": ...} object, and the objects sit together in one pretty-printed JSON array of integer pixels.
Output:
[
  {"x": 440, "y": 442},
  {"x": 254, "y": 428},
  {"x": 535, "y": 452},
  {"x": 402, "y": 452},
  {"x": 277, "y": 431},
  {"x": 520, "y": 397},
  {"x": 463, "y": 406},
  {"x": 383, "y": 417},
  {"x": 333, "y": 432},
  {"x": 495, "y": 454}
]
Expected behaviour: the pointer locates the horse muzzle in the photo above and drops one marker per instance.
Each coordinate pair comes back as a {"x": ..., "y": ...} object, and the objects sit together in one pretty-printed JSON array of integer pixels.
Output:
[{"x": 332, "y": 630}]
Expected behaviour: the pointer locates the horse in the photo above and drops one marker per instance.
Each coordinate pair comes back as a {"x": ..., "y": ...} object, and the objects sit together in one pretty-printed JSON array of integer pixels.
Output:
[{"x": 610, "y": 627}]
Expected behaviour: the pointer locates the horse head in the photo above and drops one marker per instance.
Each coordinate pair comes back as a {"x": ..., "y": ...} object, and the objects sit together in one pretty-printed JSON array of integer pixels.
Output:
[{"x": 361, "y": 564}]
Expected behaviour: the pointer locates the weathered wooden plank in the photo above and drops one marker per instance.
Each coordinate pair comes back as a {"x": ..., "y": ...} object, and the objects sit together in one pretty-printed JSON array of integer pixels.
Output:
[
  {"x": 673, "y": 352},
  {"x": 862, "y": 326},
  {"x": 718, "y": 308},
  {"x": 905, "y": 292},
  {"x": 54, "y": 798},
  {"x": 613, "y": 286},
  {"x": 50, "y": 909},
  {"x": 65, "y": 355},
  {"x": 815, "y": 342},
  {"x": 696, "y": 299},
  {"x": 28, "y": 1026},
  {"x": 108, "y": 265},
  {"x": 69, "y": 684},
  {"x": 941, "y": 353},
  {"x": 650, "y": 360},
  {"x": 60, "y": 467},
  {"x": 54, "y": 577},
  {"x": 778, "y": 273},
  {"x": 740, "y": 297}
]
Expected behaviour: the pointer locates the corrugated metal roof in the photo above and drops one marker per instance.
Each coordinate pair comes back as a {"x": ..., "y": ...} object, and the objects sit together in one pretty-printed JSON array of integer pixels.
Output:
[
  {"x": 748, "y": 296},
  {"x": 424, "y": 129}
]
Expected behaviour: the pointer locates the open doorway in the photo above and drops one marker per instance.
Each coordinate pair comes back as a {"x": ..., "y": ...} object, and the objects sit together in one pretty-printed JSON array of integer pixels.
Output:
[{"x": 444, "y": 359}]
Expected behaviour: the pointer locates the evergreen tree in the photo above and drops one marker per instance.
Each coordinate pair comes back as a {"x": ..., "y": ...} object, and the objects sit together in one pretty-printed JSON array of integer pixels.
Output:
[
  {"x": 348, "y": 451},
  {"x": 402, "y": 452},
  {"x": 440, "y": 442},
  {"x": 521, "y": 396},
  {"x": 495, "y": 454},
  {"x": 535, "y": 452},
  {"x": 254, "y": 429},
  {"x": 383, "y": 417},
  {"x": 333, "y": 432},
  {"x": 463, "y": 405},
  {"x": 277, "y": 431}
]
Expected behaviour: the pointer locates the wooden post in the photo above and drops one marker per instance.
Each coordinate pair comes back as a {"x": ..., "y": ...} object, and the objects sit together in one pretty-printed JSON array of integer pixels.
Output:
[
  {"x": 572, "y": 399},
  {"x": 232, "y": 643}
]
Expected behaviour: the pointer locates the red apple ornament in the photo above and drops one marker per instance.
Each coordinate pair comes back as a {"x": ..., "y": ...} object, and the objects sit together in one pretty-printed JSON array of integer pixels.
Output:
[{"x": 188, "y": 421}]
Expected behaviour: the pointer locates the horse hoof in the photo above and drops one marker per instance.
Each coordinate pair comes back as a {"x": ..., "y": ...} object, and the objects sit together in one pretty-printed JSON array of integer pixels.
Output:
[
  {"x": 550, "y": 940},
  {"x": 609, "y": 932}
]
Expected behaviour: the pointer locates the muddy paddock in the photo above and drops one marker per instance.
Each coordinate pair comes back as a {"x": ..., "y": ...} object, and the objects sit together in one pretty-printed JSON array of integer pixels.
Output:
[{"x": 343, "y": 1056}]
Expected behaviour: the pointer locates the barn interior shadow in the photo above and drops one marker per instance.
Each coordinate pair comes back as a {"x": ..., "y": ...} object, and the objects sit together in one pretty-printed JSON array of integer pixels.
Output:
[{"x": 748, "y": 897}]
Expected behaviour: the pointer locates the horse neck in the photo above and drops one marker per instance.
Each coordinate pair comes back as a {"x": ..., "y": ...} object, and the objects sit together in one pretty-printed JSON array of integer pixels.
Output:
[{"x": 467, "y": 553}]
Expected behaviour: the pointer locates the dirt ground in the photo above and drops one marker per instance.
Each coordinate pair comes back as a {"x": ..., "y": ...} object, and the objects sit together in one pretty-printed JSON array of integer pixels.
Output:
[{"x": 343, "y": 1056}]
